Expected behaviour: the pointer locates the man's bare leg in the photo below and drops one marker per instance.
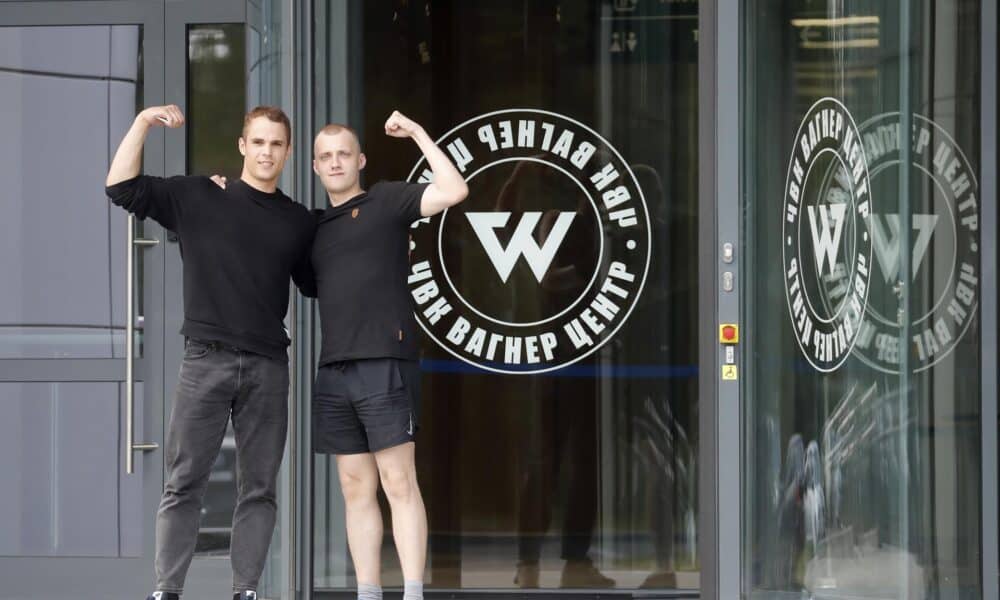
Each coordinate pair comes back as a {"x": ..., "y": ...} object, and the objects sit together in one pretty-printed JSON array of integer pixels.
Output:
[
  {"x": 359, "y": 483},
  {"x": 398, "y": 473}
]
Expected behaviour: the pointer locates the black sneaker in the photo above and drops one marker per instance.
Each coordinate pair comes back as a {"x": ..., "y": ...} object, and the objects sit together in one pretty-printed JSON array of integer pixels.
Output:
[
  {"x": 245, "y": 595},
  {"x": 163, "y": 596}
]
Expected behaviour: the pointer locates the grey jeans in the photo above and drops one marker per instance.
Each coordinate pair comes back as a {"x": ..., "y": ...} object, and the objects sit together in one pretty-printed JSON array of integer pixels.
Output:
[{"x": 217, "y": 383}]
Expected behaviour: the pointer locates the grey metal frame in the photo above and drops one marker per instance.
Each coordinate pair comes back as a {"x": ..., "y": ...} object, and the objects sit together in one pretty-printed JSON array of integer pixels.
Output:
[
  {"x": 720, "y": 407},
  {"x": 988, "y": 303},
  {"x": 149, "y": 368},
  {"x": 300, "y": 559}
]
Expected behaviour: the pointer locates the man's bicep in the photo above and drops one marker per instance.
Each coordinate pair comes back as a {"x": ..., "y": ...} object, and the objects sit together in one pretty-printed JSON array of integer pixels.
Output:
[{"x": 433, "y": 201}]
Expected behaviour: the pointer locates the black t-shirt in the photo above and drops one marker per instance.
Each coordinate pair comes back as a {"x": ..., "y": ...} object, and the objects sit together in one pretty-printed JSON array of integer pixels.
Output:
[
  {"x": 361, "y": 260},
  {"x": 239, "y": 245}
]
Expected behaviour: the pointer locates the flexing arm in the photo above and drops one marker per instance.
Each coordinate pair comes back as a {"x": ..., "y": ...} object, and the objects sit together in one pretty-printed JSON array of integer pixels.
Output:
[
  {"x": 128, "y": 158},
  {"x": 448, "y": 187}
]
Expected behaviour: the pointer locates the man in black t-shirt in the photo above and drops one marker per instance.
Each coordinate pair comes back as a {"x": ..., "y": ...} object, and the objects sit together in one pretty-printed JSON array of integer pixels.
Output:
[
  {"x": 366, "y": 401},
  {"x": 240, "y": 245}
]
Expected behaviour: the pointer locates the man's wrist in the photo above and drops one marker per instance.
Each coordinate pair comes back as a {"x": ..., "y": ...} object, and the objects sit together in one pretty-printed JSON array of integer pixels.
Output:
[{"x": 419, "y": 133}]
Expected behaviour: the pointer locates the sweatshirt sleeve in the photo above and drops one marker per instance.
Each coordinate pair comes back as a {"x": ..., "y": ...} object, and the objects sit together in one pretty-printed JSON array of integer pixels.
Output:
[
  {"x": 153, "y": 197},
  {"x": 302, "y": 273}
]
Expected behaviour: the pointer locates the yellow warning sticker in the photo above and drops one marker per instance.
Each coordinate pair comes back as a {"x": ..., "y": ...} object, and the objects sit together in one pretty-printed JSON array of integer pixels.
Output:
[{"x": 729, "y": 373}]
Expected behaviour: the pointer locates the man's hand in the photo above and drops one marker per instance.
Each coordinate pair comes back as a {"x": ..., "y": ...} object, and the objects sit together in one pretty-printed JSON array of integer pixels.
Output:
[
  {"x": 219, "y": 180},
  {"x": 400, "y": 126},
  {"x": 128, "y": 158},
  {"x": 162, "y": 116},
  {"x": 448, "y": 188}
]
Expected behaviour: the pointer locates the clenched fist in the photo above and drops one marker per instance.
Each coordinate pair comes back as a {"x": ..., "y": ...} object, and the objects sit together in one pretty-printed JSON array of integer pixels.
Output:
[
  {"x": 400, "y": 126},
  {"x": 165, "y": 116}
]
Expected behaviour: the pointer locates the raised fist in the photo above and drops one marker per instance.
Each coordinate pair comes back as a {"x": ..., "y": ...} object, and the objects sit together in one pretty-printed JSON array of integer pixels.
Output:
[{"x": 163, "y": 116}]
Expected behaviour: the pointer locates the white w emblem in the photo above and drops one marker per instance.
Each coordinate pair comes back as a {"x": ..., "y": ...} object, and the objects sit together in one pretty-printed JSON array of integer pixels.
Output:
[
  {"x": 826, "y": 242},
  {"x": 522, "y": 243},
  {"x": 887, "y": 244}
]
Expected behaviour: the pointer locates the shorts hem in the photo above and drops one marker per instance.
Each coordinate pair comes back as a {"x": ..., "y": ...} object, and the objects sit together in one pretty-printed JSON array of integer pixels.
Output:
[{"x": 392, "y": 442}]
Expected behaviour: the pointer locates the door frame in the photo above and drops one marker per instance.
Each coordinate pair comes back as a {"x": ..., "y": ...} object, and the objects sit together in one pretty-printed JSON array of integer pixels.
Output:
[
  {"x": 31, "y": 571},
  {"x": 719, "y": 404}
]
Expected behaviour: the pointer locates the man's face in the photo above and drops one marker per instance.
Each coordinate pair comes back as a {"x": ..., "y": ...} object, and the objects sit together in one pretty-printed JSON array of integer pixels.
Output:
[
  {"x": 264, "y": 148},
  {"x": 338, "y": 161}
]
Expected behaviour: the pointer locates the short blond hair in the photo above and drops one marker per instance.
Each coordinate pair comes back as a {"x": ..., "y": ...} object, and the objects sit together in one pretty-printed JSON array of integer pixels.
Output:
[{"x": 334, "y": 129}]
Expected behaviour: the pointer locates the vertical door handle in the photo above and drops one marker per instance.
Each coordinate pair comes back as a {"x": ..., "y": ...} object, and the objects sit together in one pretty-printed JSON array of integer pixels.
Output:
[{"x": 131, "y": 446}]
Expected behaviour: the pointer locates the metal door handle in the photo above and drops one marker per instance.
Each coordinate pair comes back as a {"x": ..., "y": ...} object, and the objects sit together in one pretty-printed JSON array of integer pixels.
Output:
[{"x": 131, "y": 446}]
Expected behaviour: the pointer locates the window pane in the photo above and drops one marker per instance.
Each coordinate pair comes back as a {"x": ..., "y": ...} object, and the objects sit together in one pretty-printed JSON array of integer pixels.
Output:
[
  {"x": 862, "y": 447},
  {"x": 62, "y": 244},
  {"x": 63, "y": 444},
  {"x": 216, "y": 96},
  {"x": 576, "y": 470}
]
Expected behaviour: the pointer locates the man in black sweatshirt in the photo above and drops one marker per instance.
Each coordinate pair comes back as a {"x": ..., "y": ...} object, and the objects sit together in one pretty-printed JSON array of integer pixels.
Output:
[{"x": 240, "y": 245}]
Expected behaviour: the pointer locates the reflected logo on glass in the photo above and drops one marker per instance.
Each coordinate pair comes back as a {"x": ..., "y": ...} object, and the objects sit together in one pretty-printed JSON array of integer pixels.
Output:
[
  {"x": 545, "y": 260},
  {"x": 826, "y": 236},
  {"x": 943, "y": 245}
]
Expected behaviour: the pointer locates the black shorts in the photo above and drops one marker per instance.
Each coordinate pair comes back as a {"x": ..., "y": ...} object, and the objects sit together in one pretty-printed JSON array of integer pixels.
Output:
[{"x": 362, "y": 406}]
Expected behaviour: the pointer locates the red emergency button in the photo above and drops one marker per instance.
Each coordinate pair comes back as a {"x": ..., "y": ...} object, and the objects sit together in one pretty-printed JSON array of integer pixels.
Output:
[{"x": 729, "y": 333}]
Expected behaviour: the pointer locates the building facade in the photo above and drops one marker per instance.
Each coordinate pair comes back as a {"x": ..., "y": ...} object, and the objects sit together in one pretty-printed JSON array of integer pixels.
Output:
[{"x": 718, "y": 318}]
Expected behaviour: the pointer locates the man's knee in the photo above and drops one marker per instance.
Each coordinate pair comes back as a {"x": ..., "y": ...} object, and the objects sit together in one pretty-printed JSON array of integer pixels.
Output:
[
  {"x": 358, "y": 487},
  {"x": 399, "y": 483}
]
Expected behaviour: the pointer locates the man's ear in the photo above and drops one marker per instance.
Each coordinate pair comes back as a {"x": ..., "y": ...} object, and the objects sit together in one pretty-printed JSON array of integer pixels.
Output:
[
  {"x": 315, "y": 168},
  {"x": 242, "y": 145},
  {"x": 362, "y": 161}
]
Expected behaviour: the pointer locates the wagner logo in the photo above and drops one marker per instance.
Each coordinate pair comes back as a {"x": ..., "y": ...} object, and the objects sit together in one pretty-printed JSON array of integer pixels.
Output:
[
  {"x": 943, "y": 242},
  {"x": 826, "y": 236},
  {"x": 539, "y": 258},
  {"x": 546, "y": 258}
]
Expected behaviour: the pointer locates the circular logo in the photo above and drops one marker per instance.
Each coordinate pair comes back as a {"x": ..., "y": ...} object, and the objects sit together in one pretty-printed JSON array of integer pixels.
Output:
[
  {"x": 544, "y": 261},
  {"x": 826, "y": 235},
  {"x": 942, "y": 236}
]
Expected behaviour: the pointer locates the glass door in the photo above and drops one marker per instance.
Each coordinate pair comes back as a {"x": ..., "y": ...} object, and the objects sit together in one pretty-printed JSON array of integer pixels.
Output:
[
  {"x": 861, "y": 420},
  {"x": 559, "y": 439},
  {"x": 81, "y": 327}
]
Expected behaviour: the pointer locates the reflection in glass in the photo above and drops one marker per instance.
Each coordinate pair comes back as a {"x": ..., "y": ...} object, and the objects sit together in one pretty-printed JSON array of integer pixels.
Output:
[
  {"x": 584, "y": 477},
  {"x": 62, "y": 245},
  {"x": 216, "y": 88},
  {"x": 217, "y": 92},
  {"x": 865, "y": 481}
]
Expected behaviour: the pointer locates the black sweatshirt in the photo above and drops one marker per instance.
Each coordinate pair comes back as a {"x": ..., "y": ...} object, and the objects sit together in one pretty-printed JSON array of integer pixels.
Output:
[
  {"x": 239, "y": 247},
  {"x": 361, "y": 260}
]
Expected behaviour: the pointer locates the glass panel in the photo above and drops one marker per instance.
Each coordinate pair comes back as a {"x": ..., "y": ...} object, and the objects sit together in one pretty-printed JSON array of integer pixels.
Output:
[
  {"x": 862, "y": 431},
  {"x": 266, "y": 62},
  {"x": 566, "y": 457},
  {"x": 217, "y": 92},
  {"x": 62, "y": 444},
  {"x": 215, "y": 109},
  {"x": 62, "y": 244}
]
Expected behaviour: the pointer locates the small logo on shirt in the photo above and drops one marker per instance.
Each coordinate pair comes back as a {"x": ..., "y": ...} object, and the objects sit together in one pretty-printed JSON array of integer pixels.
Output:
[{"x": 354, "y": 213}]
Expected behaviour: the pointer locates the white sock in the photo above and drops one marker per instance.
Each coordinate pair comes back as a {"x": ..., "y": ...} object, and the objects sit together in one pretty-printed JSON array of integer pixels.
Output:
[
  {"x": 369, "y": 592},
  {"x": 413, "y": 590}
]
